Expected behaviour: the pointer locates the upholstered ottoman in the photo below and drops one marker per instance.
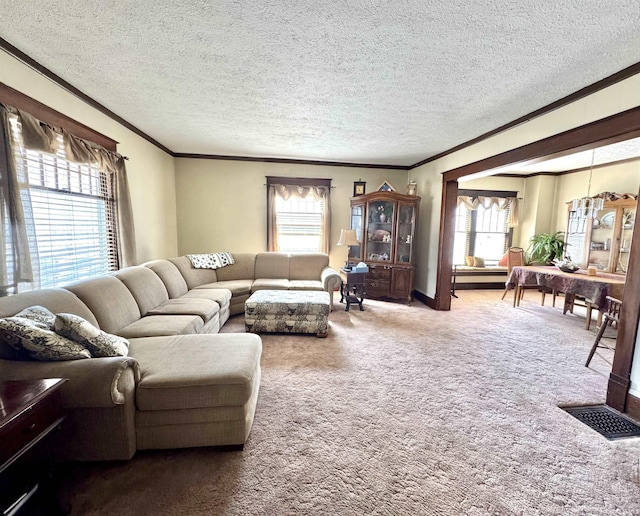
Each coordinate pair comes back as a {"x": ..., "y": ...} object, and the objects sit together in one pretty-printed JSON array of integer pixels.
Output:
[{"x": 288, "y": 311}]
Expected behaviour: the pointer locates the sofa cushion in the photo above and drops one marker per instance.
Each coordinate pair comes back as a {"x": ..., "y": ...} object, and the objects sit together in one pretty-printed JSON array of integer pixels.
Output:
[
  {"x": 98, "y": 342},
  {"x": 121, "y": 310},
  {"x": 145, "y": 285},
  {"x": 307, "y": 266},
  {"x": 57, "y": 300},
  {"x": 306, "y": 285},
  {"x": 244, "y": 267},
  {"x": 194, "y": 277},
  {"x": 196, "y": 371},
  {"x": 170, "y": 275},
  {"x": 237, "y": 287},
  {"x": 204, "y": 308},
  {"x": 270, "y": 284},
  {"x": 272, "y": 266},
  {"x": 155, "y": 325},
  {"x": 222, "y": 296},
  {"x": 34, "y": 342}
]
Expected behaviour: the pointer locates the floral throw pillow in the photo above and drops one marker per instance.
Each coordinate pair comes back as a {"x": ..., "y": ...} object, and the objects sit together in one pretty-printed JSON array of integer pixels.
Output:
[
  {"x": 40, "y": 315},
  {"x": 36, "y": 343},
  {"x": 98, "y": 342}
]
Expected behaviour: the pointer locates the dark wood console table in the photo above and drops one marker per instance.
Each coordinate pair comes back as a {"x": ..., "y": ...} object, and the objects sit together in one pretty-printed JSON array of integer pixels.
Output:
[
  {"x": 29, "y": 411},
  {"x": 352, "y": 288}
]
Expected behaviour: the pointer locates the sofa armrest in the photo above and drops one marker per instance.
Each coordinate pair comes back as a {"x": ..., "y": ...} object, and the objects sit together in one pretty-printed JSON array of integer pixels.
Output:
[
  {"x": 330, "y": 279},
  {"x": 93, "y": 382}
]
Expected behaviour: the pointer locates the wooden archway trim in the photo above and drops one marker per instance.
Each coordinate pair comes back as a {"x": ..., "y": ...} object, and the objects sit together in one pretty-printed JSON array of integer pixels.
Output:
[{"x": 615, "y": 128}]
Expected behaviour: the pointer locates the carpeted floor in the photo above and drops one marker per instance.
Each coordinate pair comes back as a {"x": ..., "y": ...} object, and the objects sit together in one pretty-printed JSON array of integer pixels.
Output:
[{"x": 401, "y": 410}]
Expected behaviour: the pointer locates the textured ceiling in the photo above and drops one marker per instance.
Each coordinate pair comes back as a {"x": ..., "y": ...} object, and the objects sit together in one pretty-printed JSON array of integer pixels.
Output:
[{"x": 386, "y": 82}]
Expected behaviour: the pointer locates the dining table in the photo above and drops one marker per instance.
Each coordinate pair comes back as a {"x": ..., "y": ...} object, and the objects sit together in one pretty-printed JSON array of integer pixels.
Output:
[{"x": 594, "y": 289}]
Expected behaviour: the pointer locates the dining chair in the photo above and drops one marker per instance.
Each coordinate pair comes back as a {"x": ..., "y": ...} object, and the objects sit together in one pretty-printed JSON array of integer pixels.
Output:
[
  {"x": 612, "y": 315},
  {"x": 515, "y": 258}
]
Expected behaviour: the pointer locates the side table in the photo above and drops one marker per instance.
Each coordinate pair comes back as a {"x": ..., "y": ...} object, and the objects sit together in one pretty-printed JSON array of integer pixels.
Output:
[
  {"x": 29, "y": 411},
  {"x": 352, "y": 288}
]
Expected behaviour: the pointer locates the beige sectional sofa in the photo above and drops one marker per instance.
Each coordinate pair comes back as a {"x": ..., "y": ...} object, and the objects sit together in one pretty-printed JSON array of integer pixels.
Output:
[{"x": 182, "y": 384}]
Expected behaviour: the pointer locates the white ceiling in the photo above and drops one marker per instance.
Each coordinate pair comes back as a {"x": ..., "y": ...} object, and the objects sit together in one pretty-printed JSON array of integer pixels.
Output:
[{"x": 364, "y": 81}]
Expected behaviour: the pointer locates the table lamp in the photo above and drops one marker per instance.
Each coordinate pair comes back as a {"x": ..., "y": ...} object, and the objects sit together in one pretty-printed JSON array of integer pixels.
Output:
[{"x": 348, "y": 238}]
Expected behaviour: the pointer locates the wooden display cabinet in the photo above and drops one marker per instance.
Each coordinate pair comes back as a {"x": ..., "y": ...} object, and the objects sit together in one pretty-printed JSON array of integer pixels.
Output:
[
  {"x": 604, "y": 241},
  {"x": 385, "y": 225}
]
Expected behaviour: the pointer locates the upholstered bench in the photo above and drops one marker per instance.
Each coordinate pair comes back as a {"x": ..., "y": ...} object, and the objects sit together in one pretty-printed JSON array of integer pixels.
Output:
[{"x": 288, "y": 311}]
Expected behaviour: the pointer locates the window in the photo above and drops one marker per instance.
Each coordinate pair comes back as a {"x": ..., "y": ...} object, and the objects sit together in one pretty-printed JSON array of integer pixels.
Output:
[
  {"x": 483, "y": 231},
  {"x": 298, "y": 214},
  {"x": 72, "y": 212}
]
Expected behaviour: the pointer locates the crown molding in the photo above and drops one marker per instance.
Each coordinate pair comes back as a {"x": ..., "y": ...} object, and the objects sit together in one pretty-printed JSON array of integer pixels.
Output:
[{"x": 584, "y": 92}]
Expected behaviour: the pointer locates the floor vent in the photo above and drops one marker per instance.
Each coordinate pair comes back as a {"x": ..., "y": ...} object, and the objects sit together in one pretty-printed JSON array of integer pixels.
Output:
[{"x": 605, "y": 420}]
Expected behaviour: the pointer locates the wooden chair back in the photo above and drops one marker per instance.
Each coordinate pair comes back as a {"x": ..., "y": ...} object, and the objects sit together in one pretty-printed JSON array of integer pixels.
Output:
[{"x": 515, "y": 258}]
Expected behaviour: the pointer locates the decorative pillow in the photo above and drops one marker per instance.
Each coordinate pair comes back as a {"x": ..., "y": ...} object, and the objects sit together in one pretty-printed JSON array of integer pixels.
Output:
[
  {"x": 40, "y": 315},
  {"x": 478, "y": 262},
  {"x": 32, "y": 341},
  {"x": 210, "y": 260},
  {"x": 504, "y": 260},
  {"x": 469, "y": 260},
  {"x": 98, "y": 342}
]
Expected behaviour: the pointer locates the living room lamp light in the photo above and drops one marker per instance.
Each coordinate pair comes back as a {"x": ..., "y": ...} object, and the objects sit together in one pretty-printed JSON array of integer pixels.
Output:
[{"x": 348, "y": 238}]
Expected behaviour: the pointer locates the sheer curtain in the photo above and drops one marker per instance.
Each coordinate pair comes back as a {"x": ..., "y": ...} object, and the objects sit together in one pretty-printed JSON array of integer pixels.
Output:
[
  {"x": 284, "y": 191},
  {"x": 18, "y": 250}
]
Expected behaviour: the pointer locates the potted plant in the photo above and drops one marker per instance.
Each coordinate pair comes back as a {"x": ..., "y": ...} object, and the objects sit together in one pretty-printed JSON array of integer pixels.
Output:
[{"x": 546, "y": 247}]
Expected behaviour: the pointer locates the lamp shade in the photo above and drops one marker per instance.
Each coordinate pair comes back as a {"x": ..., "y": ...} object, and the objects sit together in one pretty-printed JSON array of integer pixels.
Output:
[{"x": 348, "y": 237}]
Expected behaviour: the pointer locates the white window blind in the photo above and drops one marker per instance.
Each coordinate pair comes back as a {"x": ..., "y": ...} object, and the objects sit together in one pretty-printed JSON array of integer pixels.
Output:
[
  {"x": 483, "y": 232},
  {"x": 73, "y": 212},
  {"x": 299, "y": 224}
]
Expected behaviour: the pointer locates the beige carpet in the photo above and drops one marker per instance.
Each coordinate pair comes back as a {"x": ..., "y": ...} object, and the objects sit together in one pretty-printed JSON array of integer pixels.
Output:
[{"x": 401, "y": 410}]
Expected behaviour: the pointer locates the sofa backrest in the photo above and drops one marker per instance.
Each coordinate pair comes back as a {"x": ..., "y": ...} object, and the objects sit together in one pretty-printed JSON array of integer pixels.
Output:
[
  {"x": 194, "y": 277},
  {"x": 145, "y": 286},
  {"x": 110, "y": 301},
  {"x": 170, "y": 275},
  {"x": 244, "y": 267},
  {"x": 58, "y": 300},
  {"x": 272, "y": 265},
  {"x": 305, "y": 266}
]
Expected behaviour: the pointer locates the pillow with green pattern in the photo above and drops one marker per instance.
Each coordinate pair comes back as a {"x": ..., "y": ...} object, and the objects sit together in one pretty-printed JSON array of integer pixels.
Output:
[{"x": 98, "y": 342}]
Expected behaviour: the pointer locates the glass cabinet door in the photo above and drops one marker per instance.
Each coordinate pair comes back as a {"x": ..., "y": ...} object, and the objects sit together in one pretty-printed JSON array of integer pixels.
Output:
[
  {"x": 628, "y": 216},
  {"x": 406, "y": 222},
  {"x": 380, "y": 231},
  {"x": 576, "y": 237},
  {"x": 602, "y": 239},
  {"x": 357, "y": 223}
]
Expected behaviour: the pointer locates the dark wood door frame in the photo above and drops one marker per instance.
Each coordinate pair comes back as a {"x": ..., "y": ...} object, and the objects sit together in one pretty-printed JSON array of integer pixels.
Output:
[{"x": 615, "y": 128}]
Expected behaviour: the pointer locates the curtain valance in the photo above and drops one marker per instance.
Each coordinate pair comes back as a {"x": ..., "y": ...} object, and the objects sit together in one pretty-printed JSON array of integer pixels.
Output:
[{"x": 501, "y": 203}]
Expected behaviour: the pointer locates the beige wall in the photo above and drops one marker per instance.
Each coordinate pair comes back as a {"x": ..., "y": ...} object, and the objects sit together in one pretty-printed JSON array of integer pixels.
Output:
[
  {"x": 614, "y": 99},
  {"x": 222, "y": 205},
  {"x": 150, "y": 170}
]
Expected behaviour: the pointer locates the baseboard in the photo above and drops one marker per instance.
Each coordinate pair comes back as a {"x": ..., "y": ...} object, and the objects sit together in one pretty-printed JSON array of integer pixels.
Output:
[
  {"x": 429, "y": 301},
  {"x": 480, "y": 286},
  {"x": 633, "y": 406},
  {"x": 617, "y": 392}
]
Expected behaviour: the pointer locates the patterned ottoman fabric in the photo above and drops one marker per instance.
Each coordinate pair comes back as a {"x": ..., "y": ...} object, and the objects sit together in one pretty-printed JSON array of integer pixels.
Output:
[{"x": 287, "y": 311}]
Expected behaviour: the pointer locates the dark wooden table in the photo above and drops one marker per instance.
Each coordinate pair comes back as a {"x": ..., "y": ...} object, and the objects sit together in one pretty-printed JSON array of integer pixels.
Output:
[
  {"x": 352, "y": 288},
  {"x": 29, "y": 411}
]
